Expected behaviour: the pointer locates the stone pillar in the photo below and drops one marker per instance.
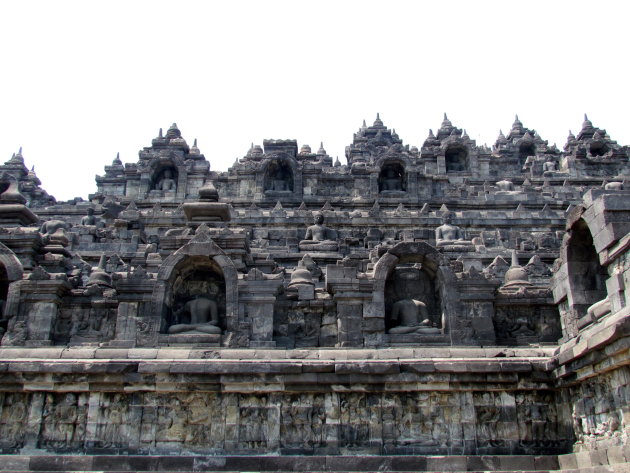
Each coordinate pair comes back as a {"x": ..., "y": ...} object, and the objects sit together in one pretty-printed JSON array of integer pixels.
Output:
[
  {"x": 91, "y": 425},
  {"x": 475, "y": 322},
  {"x": 34, "y": 422},
  {"x": 258, "y": 297},
  {"x": 349, "y": 319},
  {"x": 350, "y": 297},
  {"x": 41, "y": 300},
  {"x": 134, "y": 294},
  {"x": 441, "y": 164}
]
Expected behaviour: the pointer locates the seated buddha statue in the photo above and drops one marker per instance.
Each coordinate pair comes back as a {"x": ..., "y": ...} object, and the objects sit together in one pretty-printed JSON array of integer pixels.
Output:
[
  {"x": 449, "y": 234},
  {"x": 204, "y": 317},
  {"x": 412, "y": 317},
  {"x": 318, "y": 237},
  {"x": 167, "y": 183}
]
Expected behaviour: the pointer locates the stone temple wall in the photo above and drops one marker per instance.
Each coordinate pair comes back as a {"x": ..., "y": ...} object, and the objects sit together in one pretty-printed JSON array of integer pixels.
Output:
[{"x": 449, "y": 300}]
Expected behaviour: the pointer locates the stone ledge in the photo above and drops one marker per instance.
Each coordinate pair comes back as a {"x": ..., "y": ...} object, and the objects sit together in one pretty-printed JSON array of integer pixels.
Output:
[
  {"x": 608, "y": 335},
  {"x": 214, "y": 366},
  {"x": 111, "y": 463},
  {"x": 341, "y": 354}
]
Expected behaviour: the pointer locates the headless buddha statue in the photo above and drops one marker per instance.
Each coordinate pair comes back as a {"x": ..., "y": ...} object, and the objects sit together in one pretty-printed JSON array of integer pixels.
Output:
[{"x": 204, "y": 317}]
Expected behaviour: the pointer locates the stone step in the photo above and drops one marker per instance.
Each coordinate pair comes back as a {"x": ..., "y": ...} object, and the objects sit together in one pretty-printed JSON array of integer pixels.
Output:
[{"x": 172, "y": 463}]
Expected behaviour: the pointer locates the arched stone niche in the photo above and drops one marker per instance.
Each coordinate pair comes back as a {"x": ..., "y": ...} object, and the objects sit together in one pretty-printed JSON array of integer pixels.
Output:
[
  {"x": 195, "y": 277},
  {"x": 598, "y": 148},
  {"x": 198, "y": 269},
  {"x": 413, "y": 271},
  {"x": 392, "y": 177},
  {"x": 11, "y": 271},
  {"x": 456, "y": 157},
  {"x": 587, "y": 277},
  {"x": 580, "y": 278},
  {"x": 279, "y": 176},
  {"x": 164, "y": 176},
  {"x": 525, "y": 149}
]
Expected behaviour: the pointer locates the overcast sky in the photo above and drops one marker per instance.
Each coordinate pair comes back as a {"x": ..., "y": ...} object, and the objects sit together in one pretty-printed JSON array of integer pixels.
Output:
[{"x": 84, "y": 80}]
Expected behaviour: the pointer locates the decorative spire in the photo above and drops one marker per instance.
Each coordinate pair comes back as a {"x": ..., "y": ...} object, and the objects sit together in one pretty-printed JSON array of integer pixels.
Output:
[
  {"x": 501, "y": 140},
  {"x": 160, "y": 134},
  {"x": 321, "y": 151},
  {"x": 11, "y": 195},
  {"x": 18, "y": 157},
  {"x": 117, "y": 161},
  {"x": 378, "y": 121},
  {"x": 587, "y": 123},
  {"x": 194, "y": 150},
  {"x": 517, "y": 125},
  {"x": 173, "y": 132},
  {"x": 516, "y": 275},
  {"x": 208, "y": 193}
]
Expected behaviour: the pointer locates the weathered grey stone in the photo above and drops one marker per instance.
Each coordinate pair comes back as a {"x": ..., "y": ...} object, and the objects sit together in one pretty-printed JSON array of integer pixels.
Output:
[{"x": 361, "y": 343}]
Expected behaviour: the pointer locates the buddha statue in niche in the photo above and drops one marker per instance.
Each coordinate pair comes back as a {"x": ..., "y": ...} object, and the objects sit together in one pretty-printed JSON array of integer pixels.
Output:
[
  {"x": 204, "y": 317},
  {"x": 279, "y": 177},
  {"x": 391, "y": 181},
  {"x": 280, "y": 181},
  {"x": 167, "y": 183},
  {"x": 412, "y": 290}
]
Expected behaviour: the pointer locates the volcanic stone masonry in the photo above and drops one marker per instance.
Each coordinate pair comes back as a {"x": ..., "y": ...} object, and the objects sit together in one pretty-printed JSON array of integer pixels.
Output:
[{"x": 453, "y": 300}]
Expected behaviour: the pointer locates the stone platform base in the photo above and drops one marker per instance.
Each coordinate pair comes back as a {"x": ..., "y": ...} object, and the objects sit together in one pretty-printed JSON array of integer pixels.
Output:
[
  {"x": 119, "y": 463},
  {"x": 605, "y": 460},
  {"x": 418, "y": 339},
  {"x": 193, "y": 339}
]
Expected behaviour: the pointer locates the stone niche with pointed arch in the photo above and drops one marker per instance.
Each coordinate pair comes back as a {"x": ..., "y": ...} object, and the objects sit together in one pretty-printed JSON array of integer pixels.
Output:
[
  {"x": 280, "y": 176},
  {"x": 579, "y": 283},
  {"x": 167, "y": 175},
  {"x": 412, "y": 271},
  {"x": 392, "y": 177},
  {"x": 11, "y": 270},
  {"x": 198, "y": 269},
  {"x": 456, "y": 157}
]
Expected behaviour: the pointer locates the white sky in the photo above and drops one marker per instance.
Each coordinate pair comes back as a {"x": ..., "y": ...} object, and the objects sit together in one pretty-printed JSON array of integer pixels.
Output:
[{"x": 83, "y": 80}]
